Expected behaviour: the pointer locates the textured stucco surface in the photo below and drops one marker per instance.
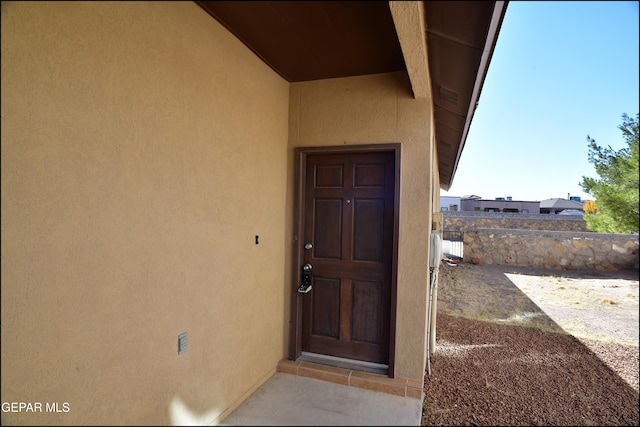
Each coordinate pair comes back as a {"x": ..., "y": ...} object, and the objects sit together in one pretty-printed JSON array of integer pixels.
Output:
[
  {"x": 143, "y": 148},
  {"x": 409, "y": 20},
  {"x": 379, "y": 109}
]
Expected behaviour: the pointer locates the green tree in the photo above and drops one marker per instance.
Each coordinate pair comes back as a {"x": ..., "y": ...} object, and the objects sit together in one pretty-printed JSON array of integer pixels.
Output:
[{"x": 616, "y": 192}]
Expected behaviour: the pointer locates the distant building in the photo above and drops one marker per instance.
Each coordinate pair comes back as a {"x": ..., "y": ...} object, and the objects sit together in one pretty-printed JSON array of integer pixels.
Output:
[
  {"x": 448, "y": 203},
  {"x": 499, "y": 204},
  {"x": 557, "y": 205}
]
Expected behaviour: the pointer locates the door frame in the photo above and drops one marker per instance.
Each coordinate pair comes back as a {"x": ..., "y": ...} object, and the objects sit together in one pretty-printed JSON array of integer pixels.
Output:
[{"x": 301, "y": 153}]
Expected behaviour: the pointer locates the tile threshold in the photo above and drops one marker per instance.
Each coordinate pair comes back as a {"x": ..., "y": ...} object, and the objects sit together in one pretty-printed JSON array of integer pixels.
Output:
[{"x": 405, "y": 387}]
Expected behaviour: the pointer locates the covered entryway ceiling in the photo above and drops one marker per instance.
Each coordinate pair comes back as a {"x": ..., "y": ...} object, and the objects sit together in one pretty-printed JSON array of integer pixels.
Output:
[{"x": 312, "y": 40}]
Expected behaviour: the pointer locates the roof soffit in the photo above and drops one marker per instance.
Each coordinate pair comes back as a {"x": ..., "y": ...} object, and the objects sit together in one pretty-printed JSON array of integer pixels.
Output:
[
  {"x": 457, "y": 33},
  {"x": 312, "y": 40}
]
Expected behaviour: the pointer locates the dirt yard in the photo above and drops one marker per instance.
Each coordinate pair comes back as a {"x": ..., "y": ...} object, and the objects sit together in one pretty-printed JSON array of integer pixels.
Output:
[
  {"x": 523, "y": 346},
  {"x": 587, "y": 304}
]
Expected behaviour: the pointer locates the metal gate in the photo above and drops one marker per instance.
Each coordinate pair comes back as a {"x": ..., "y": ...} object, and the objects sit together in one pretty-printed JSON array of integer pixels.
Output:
[{"x": 452, "y": 244}]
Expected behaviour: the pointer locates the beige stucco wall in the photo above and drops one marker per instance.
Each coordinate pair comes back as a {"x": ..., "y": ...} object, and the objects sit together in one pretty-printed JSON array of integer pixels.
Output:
[
  {"x": 143, "y": 148},
  {"x": 379, "y": 109}
]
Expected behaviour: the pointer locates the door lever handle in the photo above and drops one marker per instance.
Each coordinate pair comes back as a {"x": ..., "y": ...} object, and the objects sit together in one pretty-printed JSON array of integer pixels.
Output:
[{"x": 306, "y": 284}]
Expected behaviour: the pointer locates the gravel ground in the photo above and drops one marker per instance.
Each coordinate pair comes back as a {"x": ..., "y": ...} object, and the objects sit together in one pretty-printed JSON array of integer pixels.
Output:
[{"x": 489, "y": 371}]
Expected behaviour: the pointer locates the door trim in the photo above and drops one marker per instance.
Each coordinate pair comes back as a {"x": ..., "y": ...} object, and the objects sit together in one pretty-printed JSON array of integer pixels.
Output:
[{"x": 301, "y": 153}]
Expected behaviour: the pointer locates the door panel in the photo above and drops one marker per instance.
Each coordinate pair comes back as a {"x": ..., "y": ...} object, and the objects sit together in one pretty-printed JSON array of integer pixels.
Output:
[
  {"x": 366, "y": 298},
  {"x": 326, "y": 308},
  {"x": 327, "y": 222},
  {"x": 368, "y": 236},
  {"x": 348, "y": 217}
]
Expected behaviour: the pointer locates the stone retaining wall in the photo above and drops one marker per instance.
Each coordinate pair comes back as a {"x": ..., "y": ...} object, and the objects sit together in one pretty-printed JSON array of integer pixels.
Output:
[
  {"x": 456, "y": 221},
  {"x": 552, "y": 249}
]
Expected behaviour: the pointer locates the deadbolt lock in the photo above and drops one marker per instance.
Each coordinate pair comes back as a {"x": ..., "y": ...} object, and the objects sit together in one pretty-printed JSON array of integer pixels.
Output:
[{"x": 305, "y": 286}]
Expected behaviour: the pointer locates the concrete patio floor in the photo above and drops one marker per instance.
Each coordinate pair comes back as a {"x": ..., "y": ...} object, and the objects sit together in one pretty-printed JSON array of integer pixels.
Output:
[{"x": 287, "y": 399}]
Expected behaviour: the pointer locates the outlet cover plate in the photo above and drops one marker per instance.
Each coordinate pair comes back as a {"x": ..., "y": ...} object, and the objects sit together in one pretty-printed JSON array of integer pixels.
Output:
[{"x": 182, "y": 343}]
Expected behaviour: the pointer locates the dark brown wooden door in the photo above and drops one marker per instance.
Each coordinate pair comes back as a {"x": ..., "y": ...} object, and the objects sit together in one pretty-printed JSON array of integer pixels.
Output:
[{"x": 348, "y": 219}]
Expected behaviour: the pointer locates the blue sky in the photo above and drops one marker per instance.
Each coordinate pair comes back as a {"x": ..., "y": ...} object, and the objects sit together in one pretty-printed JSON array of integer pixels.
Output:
[{"x": 560, "y": 71}]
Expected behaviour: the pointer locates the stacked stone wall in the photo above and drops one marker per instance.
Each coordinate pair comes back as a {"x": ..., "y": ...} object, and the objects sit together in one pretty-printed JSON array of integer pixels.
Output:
[
  {"x": 463, "y": 221},
  {"x": 552, "y": 249}
]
